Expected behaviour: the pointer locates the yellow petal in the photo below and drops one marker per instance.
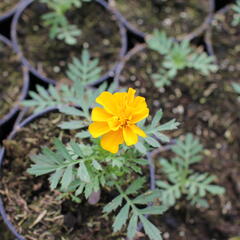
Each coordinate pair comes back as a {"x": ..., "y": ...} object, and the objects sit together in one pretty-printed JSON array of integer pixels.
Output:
[
  {"x": 97, "y": 129},
  {"x": 139, "y": 104},
  {"x": 107, "y": 100},
  {"x": 131, "y": 93},
  {"x": 138, "y": 130},
  {"x": 111, "y": 141},
  {"x": 130, "y": 137},
  {"x": 100, "y": 115},
  {"x": 137, "y": 117}
]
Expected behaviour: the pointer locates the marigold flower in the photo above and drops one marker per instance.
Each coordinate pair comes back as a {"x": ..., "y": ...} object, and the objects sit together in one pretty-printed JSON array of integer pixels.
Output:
[{"x": 116, "y": 121}]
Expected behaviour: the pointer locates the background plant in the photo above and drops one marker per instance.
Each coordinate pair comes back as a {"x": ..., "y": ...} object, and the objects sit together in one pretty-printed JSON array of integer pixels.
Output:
[
  {"x": 177, "y": 56},
  {"x": 82, "y": 73},
  {"x": 236, "y": 15},
  {"x": 60, "y": 27},
  {"x": 182, "y": 180}
]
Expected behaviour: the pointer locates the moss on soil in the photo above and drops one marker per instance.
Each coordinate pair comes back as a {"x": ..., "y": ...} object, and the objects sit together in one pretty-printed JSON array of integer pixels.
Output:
[
  {"x": 27, "y": 197},
  {"x": 175, "y": 17},
  {"x": 11, "y": 79},
  {"x": 7, "y": 5},
  {"x": 100, "y": 33}
]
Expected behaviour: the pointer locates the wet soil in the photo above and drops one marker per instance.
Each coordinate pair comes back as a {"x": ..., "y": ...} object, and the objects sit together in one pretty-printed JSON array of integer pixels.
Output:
[
  {"x": 11, "y": 79},
  {"x": 31, "y": 206},
  {"x": 100, "y": 33},
  {"x": 175, "y": 17}
]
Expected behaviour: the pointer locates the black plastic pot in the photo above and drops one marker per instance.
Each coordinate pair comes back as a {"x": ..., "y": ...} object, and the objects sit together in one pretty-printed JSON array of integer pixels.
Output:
[
  {"x": 14, "y": 27},
  {"x": 30, "y": 119},
  {"x": 195, "y": 32},
  {"x": 10, "y": 12},
  {"x": 25, "y": 85}
]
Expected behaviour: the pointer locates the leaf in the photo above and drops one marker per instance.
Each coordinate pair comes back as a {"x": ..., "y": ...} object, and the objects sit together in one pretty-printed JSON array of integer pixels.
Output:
[
  {"x": 121, "y": 218},
  {"x": 152, "y": 142},
  {"x": 136, "y": 185},
  {"x": 97, "y": 165},
  {"x": 55, "y": 178},
  {"x": 83, "y": 134},
  {"x": 154, "y": 210},
  {"x": 62, "y": 149},
  {"x": 157, "y": 118},
  {"x": 132, "y": 227},
  {"x": 152, "y": 232},
  {"x": 214, "y": 189},
  {"x": 67, "y": 177},
  {"x": 141, "y": 148},
  {"x": 113, "y": 205},
  {"x": 71, "y": 111},
  {"x": 83, "y": 173},
  {"x": 147, "y": 197},
  {"x": 75, "y": 124},
  {"x": 236, "y": 87}
]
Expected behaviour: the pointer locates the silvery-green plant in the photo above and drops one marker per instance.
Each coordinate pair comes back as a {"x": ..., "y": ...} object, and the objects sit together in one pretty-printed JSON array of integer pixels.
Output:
[
  {"x": 177, "y": 56},
  {"x": 182, "y": 180},
  {"x": 60, "y": 27}
]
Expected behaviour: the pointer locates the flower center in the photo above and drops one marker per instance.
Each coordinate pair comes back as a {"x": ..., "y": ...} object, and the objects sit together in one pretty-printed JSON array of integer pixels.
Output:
[{"x": 118, "y": 122}]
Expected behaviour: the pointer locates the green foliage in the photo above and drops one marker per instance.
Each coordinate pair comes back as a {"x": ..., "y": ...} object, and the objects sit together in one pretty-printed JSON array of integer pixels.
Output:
[
  {"x": 60, "y": 27},
  {"x": 177, "y": 56},
  {"x": 181, "y": 179},
  {"x": 85, "y": 70},
  {"x": 154, "y": 132},
  {"x": 82, "y": 168},
  {"x": 236, "y": 87},
  {"x": 236, "y": 15},
  {"x": 131, "y": 211},
  {"x": 82, "y": 73}
]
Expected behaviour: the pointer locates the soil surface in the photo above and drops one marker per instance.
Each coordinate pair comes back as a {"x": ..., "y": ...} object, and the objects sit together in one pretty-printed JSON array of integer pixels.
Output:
[
  {"x": 100, "y": 33},
  {"x": 208, "y": 108},
  {"x": 11, "y": 79},
  {"x": 175, "y": 17},
  {"x": 7, "y": 5},
  {"x": 31, "y": 206}
]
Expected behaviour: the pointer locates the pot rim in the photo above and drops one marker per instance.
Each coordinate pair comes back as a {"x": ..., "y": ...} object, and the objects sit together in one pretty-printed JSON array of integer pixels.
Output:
[
  {"x": 14, "y": 36},
  {"x": 24, "y": 87}
]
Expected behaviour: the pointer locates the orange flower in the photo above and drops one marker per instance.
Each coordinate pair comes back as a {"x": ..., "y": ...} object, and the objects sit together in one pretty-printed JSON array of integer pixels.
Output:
[{"x": 116, "y": 121}]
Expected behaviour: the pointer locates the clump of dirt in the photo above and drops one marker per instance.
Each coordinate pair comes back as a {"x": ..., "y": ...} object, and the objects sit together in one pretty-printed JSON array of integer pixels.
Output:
[
  {"x": 99, "y": 33},
  {"x": 175, "y": 17},
  {"x": 34, "y": 210},
  {"x": 11, "y": 79}
]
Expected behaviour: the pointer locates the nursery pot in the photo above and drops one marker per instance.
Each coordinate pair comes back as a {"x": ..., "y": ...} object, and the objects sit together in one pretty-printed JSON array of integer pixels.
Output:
[
  {"x": 23, "y": 127},
  {"x": 22, "y": 91},
  {"x": 70, "y": 50},
  {"x": 142, "y": 17}
]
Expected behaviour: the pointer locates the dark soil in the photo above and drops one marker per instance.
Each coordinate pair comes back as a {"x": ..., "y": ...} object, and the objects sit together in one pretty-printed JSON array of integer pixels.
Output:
[
  {"x": 30, "y": 204},
  {"x": 207, "y": 107},
  {"x": 7, "y": 5},
  {"x": 100, "y": 33},
  {"x": 175, "y": 17},
  {"x": 11, "y": 79}
]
